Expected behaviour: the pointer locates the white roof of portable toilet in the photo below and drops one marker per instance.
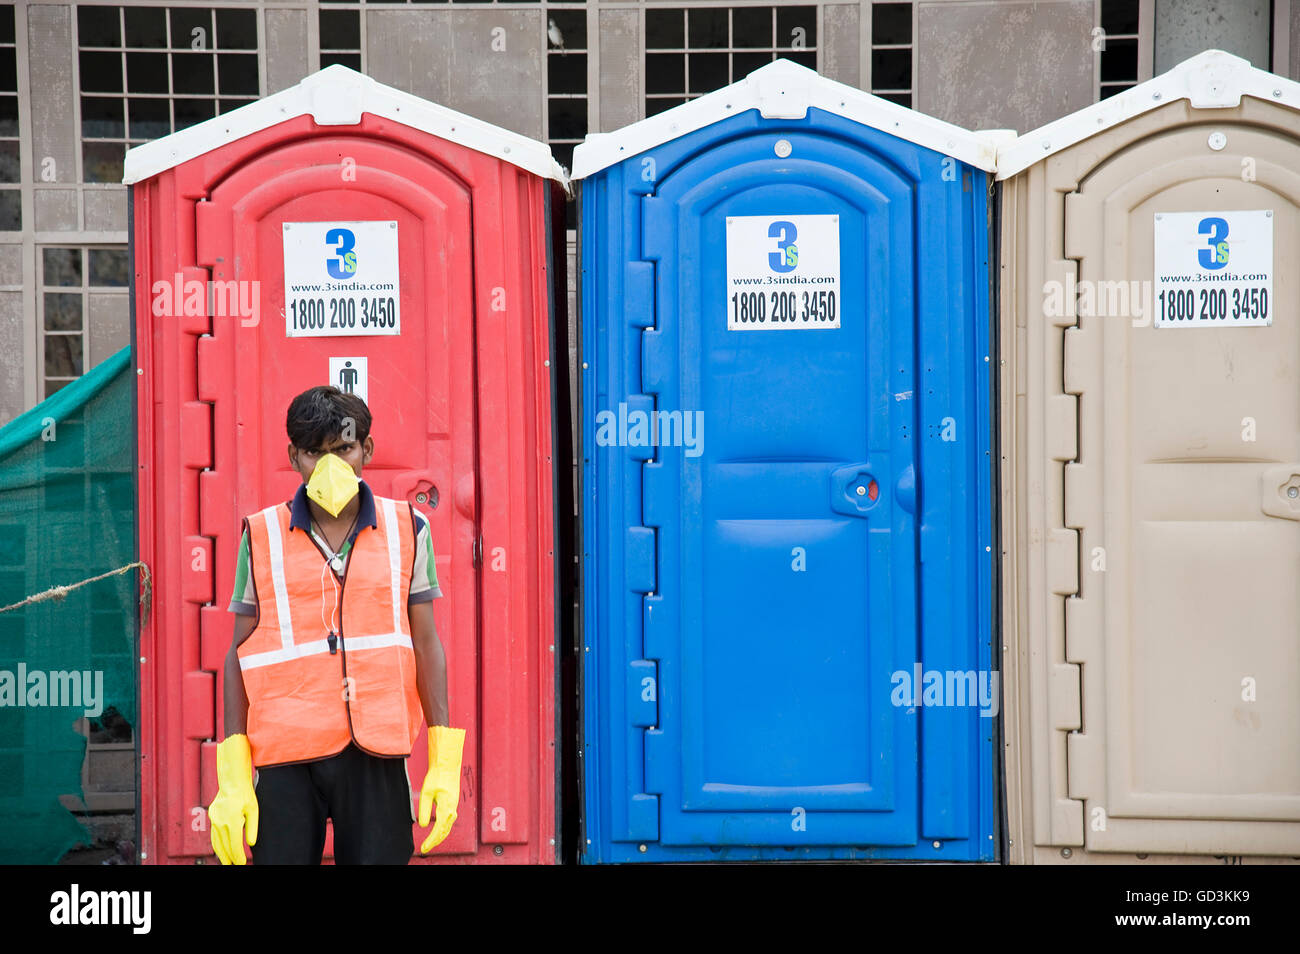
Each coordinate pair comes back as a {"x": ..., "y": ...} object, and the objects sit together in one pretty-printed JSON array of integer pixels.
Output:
[
  {"x": 785, "y": 90},
  {"x": 1210, "y": 80},
  {"x": 337, "y": 96}
]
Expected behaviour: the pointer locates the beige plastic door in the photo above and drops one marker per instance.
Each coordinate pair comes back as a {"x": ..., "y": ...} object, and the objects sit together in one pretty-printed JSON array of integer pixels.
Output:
[{"x": 1187, "y": 619}]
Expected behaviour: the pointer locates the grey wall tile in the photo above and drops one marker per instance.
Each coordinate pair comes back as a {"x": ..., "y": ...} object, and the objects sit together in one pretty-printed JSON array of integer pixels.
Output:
[
  {"x": 108, "y": 325},
  {"x": 286, "y": 49},
  {"x": 1295, "y": 39},
  {"x": 1006, "y": 65},
  {"x": 11, "y": 264},
  {"x": 840, "y": 48},
  {"x": 106, "y": 210},
  {"x": 487, "y": 62},
  {"x": 1184, "y": 28},
  {"x": 54, "y": 135},
  {"x": 13, "y": 349},
  {"x": 56, "y": 210},
  {"x": 620, "y": 69}
]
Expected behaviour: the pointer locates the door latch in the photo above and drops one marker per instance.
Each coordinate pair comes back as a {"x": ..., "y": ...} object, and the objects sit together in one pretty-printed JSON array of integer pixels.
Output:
[
  {"x": 1279, "y": 491},
  {"x": 854, "y": 489}
]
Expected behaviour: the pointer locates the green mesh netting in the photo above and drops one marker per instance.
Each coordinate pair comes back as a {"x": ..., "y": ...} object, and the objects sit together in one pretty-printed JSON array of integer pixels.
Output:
[{"x": 67, "y": 512}]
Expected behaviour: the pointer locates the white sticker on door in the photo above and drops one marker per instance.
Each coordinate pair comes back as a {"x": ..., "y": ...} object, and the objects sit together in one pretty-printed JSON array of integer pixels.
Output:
[
  {"x": 783, "y": 272},
  {"x": 350, "y": 375},
  {"x": 340, "y": 278},
  {"x": 1213, "y": 269}
]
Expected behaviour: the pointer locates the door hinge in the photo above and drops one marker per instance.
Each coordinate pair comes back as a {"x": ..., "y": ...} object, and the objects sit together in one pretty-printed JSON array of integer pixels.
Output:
[
  {"x": 643, "y": 692},
  {"x": 639, "y": 294},
  {"x": 214, "y": 235}
]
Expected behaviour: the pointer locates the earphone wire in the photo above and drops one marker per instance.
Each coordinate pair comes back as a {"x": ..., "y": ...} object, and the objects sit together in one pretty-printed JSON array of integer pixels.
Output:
[
  {"x": 333, "y": 581},
  {"x": 330, "y": 625}
]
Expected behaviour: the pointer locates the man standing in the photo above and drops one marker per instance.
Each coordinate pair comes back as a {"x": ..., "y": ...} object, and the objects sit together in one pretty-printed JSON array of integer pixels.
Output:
[{"x": 335, "y": 665}]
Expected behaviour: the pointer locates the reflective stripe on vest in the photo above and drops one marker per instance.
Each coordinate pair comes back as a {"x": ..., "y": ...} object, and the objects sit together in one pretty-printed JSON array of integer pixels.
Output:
[
  {"x": 301, "y": 706},
  {"x": 275, "y": 541},
  {"x": 355, "y": 643}
]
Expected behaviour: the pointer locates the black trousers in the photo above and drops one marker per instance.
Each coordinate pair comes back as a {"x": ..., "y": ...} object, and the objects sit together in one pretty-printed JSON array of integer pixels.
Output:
[{"x": 368, "y": 798}]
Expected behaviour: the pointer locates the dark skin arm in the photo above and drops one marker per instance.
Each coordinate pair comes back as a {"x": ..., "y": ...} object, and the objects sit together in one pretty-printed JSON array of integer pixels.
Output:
[
  {"x": 236, "y": 699},
  {"x": 430, "y": 670},
  {"x": 430, "y": 664}
]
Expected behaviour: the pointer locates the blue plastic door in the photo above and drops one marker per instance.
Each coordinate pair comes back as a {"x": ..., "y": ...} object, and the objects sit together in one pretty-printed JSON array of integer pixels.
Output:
[{"x": 786, "y": 542}]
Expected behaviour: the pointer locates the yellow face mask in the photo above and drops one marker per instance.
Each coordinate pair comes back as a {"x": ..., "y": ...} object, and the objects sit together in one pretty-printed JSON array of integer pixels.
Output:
[{"x": 333, "y": 483}]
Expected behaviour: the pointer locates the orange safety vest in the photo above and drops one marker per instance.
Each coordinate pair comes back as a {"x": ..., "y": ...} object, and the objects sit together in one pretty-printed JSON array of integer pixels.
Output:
[{"x": 304, "y": 701}]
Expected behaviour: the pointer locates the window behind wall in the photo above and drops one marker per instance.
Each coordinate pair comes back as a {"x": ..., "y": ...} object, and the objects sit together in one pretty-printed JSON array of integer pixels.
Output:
[
  {"x": 340, "y": 37},
  {"x": 11, "y": 200},
  {"x": 1120, "y": 20},
  {"x": 566, "y": 81},
  {"x": 82, "y": 310},
  {"x": 891, "y": 52},
  {"x": 145, "y": 72},
  {"x": 690, "y": 51}
]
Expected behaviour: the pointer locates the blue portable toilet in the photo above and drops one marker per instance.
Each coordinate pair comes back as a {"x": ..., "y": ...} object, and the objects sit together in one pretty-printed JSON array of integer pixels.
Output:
[{"x": 786, "y": 481}]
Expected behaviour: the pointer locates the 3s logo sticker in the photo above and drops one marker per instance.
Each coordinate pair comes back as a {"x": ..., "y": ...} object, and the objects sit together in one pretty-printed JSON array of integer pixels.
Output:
[
  {"x": 344, "y": 265},
  {"x": 1216, "y": 256},
  {"x": 787, "y": 255}
]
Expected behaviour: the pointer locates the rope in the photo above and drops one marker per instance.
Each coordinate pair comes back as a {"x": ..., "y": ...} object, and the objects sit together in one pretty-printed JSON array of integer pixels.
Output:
[{"x": 61, "y": 591}]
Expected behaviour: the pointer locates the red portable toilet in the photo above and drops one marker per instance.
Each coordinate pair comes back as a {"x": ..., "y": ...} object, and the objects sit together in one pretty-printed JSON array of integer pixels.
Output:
[{"x": 445, "y": 327}]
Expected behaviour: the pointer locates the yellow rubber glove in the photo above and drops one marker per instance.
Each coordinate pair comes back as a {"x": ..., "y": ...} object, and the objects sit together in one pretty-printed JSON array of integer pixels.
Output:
[
  {"x": 234, "y": 811},
  {"x": 441, "y": 783}
]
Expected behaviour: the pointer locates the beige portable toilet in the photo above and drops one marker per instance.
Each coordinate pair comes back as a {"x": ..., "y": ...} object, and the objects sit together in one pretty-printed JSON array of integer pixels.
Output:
[{"x": 1150, "y": 422}]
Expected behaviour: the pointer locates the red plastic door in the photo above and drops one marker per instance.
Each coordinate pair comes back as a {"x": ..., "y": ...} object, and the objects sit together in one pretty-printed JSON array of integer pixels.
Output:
[{"x": 420, "y": 382}]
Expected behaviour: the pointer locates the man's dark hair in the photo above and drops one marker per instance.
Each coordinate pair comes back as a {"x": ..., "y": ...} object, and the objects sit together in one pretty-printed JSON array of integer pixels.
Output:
[{"x": 320, "y": 414}]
